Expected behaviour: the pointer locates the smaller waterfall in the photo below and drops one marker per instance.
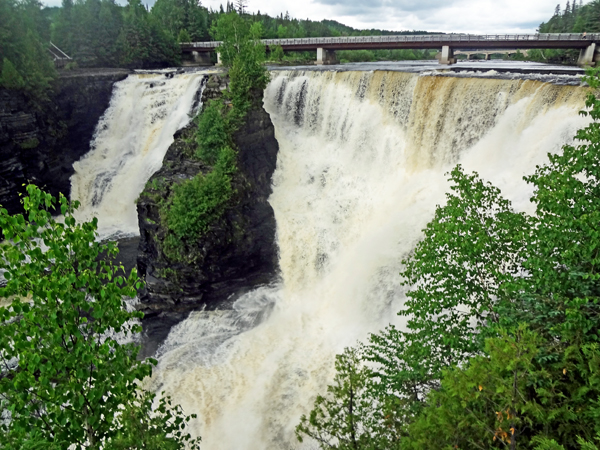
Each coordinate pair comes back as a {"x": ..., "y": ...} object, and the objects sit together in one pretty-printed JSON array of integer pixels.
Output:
[{"x": 129, "y": 145}]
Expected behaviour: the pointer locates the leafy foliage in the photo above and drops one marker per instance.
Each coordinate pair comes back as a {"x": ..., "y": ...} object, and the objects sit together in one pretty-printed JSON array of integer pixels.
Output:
[
  {"x": 10, "y": 78},
  {"x": 200, "y": 202},
  {"x": 244, "y": 54},
  {"x": 65, "y": 378},
  {"x": 212, "y": 134}
]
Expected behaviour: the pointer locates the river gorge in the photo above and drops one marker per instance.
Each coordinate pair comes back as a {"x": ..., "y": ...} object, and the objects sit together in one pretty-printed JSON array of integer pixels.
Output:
[{"x": 361, "y": 165}]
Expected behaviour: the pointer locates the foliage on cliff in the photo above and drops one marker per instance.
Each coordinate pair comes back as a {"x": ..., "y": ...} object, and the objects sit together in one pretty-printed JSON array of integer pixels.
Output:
[
  {"x": 502, "y": 348},
  {"x": 199, "y": 203},
  {"x": 66, "y": 378}
]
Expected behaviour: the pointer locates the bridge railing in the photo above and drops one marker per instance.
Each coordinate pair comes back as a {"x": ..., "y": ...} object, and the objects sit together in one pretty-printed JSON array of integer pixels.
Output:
[{"x": 438, "y": 38}]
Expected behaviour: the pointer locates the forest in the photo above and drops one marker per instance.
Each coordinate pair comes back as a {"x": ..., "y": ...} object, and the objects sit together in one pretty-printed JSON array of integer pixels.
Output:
[{"x": 575, "y": 17}]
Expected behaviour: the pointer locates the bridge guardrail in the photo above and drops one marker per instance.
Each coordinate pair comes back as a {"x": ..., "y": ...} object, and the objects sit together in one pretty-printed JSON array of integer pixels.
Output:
[{"x": 442, "y": 39}]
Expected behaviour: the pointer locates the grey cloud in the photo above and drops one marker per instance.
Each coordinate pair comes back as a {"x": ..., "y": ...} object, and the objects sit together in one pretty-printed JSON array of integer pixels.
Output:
[{"x": 348, "y": 7}]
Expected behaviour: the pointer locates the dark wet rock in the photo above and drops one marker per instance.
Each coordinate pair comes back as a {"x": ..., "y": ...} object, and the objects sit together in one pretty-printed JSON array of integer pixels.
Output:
[
  {"x": 235, "y": 255},
  {"x": 40, "y": 140}
]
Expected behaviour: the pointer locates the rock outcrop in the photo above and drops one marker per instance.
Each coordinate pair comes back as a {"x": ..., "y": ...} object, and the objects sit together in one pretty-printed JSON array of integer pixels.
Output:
[
  {"x": 235, "y": 255},
  {"x": 39, "y": 141}
]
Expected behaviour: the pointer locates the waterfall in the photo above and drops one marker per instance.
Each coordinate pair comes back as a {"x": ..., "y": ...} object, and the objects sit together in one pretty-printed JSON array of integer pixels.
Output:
[
  {"x": 129, "y": 144},
  {"x": 360, "y": 170}
]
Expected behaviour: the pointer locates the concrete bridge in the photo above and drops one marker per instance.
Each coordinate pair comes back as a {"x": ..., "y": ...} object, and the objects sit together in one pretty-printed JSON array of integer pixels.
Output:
[
  {"x": 447, "y": 44},
  {"x": 487, "y": 54}
]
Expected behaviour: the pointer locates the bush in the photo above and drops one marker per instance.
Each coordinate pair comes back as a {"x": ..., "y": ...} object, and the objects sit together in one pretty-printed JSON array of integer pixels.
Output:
[
  {"x": 66, "y": 380},
  {"x": 198, "y": 203},
  {"x": 212, "y": 134}
]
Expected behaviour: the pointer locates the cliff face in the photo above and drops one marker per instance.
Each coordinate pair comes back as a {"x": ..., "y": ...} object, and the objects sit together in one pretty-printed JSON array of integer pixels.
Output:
[
  {"x": 234, "y": 255},
  {"x": 39, "y": 141}
]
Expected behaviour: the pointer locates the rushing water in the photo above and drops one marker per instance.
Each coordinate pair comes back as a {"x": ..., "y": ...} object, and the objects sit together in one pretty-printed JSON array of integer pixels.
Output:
[
  {"x": 360, "y": 169},
  {"x": 129, "y": 145}
]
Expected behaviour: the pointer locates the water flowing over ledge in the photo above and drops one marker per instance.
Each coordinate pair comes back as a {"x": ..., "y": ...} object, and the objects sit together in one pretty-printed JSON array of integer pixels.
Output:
[
  {"x": 129, "y": 145},
  {"x": 360, "y": 169}
]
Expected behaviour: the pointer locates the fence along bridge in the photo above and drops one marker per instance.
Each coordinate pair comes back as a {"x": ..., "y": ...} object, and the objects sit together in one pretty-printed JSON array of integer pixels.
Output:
[{"x": 447, "y": 44}]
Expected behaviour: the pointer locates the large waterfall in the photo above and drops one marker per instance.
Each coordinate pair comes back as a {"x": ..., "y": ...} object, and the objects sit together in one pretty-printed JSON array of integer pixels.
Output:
[
  {"x": 129, "y": 145},
  {"x": 361, "y": 167}
]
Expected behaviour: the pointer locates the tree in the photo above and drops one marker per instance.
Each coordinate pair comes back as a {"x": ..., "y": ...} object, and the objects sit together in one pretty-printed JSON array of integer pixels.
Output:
[
  {"x": 143, "y": 42},
  {"x": 23, "y": 34},
  {"x": 241, "y": 6},
  {"x": 244, "y": 54},
  {"x": 10, "y": 78},
  {"x": 66, "y": 378},
  {"x": 466, "y": 262},
  {"x": 348, "y": 417}
]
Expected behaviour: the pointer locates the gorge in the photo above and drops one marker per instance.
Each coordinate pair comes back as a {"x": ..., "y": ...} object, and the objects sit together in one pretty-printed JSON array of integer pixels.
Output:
[{"x": 360, "y": 167}]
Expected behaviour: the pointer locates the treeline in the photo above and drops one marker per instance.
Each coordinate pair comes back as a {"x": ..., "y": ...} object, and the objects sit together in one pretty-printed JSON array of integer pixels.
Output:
[
  {"x": 574, "y": 18},
  {"x": 101, "y": 33}
]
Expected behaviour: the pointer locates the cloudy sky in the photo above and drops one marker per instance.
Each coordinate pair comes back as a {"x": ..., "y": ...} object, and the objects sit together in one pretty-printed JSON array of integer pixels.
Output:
[
  {"x": 477, "y": 16},
  {"x": 466, "y": 16}
]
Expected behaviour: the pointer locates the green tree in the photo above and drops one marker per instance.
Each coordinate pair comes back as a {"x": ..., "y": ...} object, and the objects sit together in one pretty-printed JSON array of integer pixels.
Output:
[
  {"x": 143, "y": 42},
  {"x": 348, "y": 417},
  {"x": 277, "y": 53},
  {"x": 23, "y": 39},
  {"x": 65, "y": 377},
  {"x": 177, "y": 15},
  {"x": 10, "y": 78},
  {"x": 466, "y": 263}
]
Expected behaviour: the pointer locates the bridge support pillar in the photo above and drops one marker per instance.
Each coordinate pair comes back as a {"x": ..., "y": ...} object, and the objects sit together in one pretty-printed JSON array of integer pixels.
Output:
[
  {"x": 447, "y": 56},
  {"x": 219, "y": 62},
  {"x": 202, "y": 58},
  {"x": 488, "y": 56},
  {"x": 588, "y": 56},
  {"x": 325, "y": 56}
]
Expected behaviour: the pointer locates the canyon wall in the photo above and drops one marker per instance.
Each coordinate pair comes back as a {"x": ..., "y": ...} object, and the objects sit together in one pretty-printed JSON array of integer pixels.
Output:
[{"x": 40, "y": 140}]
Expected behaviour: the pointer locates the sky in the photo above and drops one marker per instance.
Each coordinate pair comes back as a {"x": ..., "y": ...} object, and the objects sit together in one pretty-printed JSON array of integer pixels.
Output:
[{"x": 462, "y": 16}]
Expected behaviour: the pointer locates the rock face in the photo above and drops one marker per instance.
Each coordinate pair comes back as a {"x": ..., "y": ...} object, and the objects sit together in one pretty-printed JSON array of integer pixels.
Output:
[
  {"x": 234, "y": 256},
  {"x": 39, "y": 141}
]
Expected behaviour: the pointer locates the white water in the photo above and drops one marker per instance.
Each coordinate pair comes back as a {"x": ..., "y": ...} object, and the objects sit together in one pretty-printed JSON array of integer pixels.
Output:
[
  {"x": 360, "y": 170},
  {"x": 129, "y": 145}
]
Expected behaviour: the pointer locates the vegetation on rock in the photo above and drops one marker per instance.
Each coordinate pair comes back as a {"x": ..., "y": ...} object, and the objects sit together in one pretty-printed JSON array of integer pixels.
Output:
[{"x": 199, "y": 203}]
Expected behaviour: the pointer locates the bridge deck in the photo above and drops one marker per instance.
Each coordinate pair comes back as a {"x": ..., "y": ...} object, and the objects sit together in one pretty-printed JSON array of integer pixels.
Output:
[{"x": 427, "y": 41}]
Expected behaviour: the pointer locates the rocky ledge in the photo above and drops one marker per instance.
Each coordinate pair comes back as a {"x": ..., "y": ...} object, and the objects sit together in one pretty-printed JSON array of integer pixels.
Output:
[{"x": 232, "y": 257}]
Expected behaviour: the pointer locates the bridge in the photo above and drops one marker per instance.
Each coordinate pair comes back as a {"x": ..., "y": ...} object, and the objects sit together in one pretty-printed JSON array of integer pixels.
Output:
[
  {"x": 487, "y": 54},
  {"x": 446, "y": 44}
]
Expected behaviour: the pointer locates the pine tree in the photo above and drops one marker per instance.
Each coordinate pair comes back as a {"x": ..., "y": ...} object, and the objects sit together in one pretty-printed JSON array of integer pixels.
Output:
[{"x": 241, "y": 6}]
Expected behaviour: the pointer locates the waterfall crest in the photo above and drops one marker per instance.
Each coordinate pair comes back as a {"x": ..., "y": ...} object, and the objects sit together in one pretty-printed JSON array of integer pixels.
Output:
[
  {"x": 361, "y": 167},
  {"x": 129, "y": 145}
]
